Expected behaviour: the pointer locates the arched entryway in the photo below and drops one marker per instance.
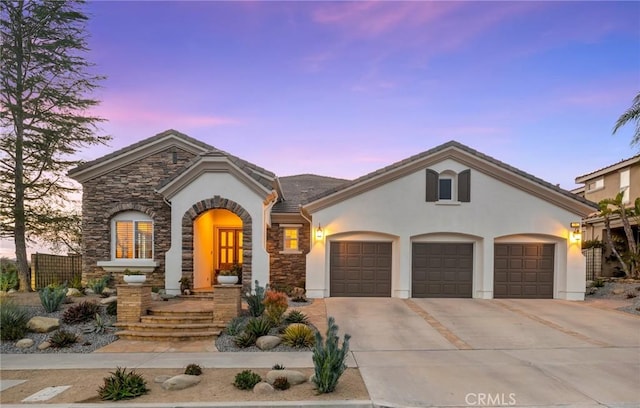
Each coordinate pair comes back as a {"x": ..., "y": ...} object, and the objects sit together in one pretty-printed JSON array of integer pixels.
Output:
[{"x": 216, "y": 234}]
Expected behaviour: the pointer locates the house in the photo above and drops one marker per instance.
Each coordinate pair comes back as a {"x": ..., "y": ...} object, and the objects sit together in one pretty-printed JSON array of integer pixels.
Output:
[
  {"x": 448, "y": 222},
  {"x": 607, "y": 182}
]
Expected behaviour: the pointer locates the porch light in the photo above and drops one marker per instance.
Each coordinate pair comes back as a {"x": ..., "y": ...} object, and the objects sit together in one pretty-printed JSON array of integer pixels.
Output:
[
  {"x": 319, "y": 233},
  {"x": 576, "y": 234}
]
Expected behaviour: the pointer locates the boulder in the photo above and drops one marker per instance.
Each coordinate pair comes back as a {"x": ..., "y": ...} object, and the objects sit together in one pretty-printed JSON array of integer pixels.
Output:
[
  {"x": 110, "y": 299},
  {"x": 89, "y": 291},
  {"x": 263, "y": 388},
  {"x": 24, "y": 343},
  {"x": 44, "y": 345},
  {"x": 268, "y": 342},
  {"x": 12, "y": 291},
  {"x": 180, "y": 382},
  {"x": 155, "y": 296},
  {"x": 108, "y": 291},
  {"x": 73, "y": 292},
  {"x": 294, "y": 377},
  {"x": 41, "y": 324},
  {"x": 618, "y": 291},
  {"x": 298, "y": 294},
  {"x": 161, "y": 378}
]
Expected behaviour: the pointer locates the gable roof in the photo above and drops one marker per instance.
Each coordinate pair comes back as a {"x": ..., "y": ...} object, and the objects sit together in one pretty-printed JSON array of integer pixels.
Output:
[
  {"x": 136, "y": 151},
  {"x": 608, "y": 169},
  {"x": 297, "y": 189},
  {"x": 462, "y": 154}
]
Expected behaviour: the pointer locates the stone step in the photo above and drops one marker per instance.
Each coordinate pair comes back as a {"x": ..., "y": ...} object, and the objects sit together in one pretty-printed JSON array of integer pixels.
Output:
[
  {"x": 169, "y": 328},
  {"x": 203, "y": 297},
  {"x": 181, "y": 313},
  {"x": 169, "y": 319},
  {"x": 167, "y": 336}
]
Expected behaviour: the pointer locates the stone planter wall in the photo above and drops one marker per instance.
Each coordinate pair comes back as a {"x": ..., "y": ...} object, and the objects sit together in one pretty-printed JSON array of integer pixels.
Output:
[
  {"x": 227, "y": 302},
  {"x": 133, "y": 302}
]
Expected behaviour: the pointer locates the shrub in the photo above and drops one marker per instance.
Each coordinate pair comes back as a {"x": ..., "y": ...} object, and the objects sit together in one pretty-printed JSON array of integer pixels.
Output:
[
  {"x": 112, "y": 309},
  {"x": 234, "y": 326},
  {"x": 246, "y": 380},
  {"x": 329, "y": 358},
  {"x": 52, "y": 297},
  {"x": 278, "y": 367},
  {"x": 255, "y": 299},
  {"x": 80, "y": 313},
  {"x": 296, "y": 316},
  {"x": 244, "y": 339},
  {"x": 298, "y": 335},
  {"x": 275, "y": 303},
  {"x": 193, "y": 369},
  {"x": 98, "y": 326},
  {"x": 8, "y": 280},
  {"x": 598, "y": 283},
  {"x": 76, "y": 282},
  {"x": 123, "y": 385},
  {"x": 62, "y": 338},
  {"x": 258, "y": 326},
  {"x": 13, "y": 320},
  {"x": 630, "y": 294},
  {"x": 281, "y": 383},
  {"x": 98, "y": 285}
]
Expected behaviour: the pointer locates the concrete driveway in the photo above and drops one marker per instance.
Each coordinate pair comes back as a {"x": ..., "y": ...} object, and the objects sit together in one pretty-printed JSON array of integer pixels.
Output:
[{"x": 467, "y": 352}]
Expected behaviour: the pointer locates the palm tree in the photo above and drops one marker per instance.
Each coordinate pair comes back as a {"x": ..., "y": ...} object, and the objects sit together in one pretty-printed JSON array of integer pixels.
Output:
[{"x": 631, "y": 115}]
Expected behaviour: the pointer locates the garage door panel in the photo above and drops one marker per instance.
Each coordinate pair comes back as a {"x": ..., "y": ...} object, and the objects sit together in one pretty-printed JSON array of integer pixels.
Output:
[
  {"x": 442, "y": 269},
  {"x": 360, "y": 268},
  {"x": 530, "y": 272}
]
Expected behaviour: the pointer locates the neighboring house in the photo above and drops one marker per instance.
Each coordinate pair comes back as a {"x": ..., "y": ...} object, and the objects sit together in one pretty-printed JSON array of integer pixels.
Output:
[
  {"x": 448, "y": 222},
  {"x": 607, "y": 182}
]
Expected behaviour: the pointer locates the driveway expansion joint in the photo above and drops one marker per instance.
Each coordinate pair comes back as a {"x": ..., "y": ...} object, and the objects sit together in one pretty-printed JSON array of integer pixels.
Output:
[{"x": 438, "y": 326}]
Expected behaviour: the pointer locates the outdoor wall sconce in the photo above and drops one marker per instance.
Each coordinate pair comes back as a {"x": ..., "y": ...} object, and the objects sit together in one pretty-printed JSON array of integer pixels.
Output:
[
  {"x": 576, "y": 234},
  {"x": 319, "y": 233}
]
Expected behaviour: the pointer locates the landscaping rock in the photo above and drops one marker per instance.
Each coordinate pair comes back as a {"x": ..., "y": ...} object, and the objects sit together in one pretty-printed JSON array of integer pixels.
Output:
[
  {"x": 24, "y": 343},
  {"x": 41, "y": 324},
  {"x": 180, "y": 382},
  {"x": 155, "y": 296},
  {"x": 12, "y": 291},
  {"x": 294, "y": 377},
  {"x": 89, "y": 291},
  {"x": 591, "y": 291},
  {"x": 108, "y": 300},
  {"x": 44, "y": 345},
  {"x": 108, "y": 291},
  {"x": 298, "y": 294},
  {"x": 618, "y": 291},
  {"x": 268, "y": 342},
  {"x": 263, "y": 388},
  {"x": 73, "y": 292},
  {"x": 161, "y": 378}
]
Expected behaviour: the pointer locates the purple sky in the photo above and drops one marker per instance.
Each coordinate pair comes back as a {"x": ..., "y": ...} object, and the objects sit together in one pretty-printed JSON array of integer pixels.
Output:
[{"x": 342, "y": 89}]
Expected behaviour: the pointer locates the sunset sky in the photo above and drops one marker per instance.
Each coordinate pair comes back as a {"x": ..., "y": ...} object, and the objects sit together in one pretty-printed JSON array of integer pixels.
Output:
[{"x": 342, "y": 89}]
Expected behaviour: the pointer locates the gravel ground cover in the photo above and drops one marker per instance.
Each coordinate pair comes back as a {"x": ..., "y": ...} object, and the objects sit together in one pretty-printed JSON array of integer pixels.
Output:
[
  {"x": 627, "y": 290},
  {"x": 87, "y": 342}
]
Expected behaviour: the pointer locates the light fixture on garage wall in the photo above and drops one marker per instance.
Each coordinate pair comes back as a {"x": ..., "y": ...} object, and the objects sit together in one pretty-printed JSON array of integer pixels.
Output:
[
  {"x": 319, "y": 233},
  {"x": 576, "y": 234}
]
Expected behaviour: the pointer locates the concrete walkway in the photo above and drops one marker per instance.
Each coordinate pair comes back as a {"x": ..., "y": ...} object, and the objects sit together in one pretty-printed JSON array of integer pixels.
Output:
[{"x": 440, "y": 352}]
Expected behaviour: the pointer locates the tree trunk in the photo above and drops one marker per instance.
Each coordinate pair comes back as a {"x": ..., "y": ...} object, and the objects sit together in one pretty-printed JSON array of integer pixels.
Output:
[{"x": 607, "y": 225}]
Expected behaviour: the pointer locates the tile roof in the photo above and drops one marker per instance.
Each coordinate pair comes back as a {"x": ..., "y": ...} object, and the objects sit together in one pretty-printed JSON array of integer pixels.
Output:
[
  {"x": 611, "y": 166},
  {"x": 297, "y": 189},
  {"x": 448, "y": 145}
]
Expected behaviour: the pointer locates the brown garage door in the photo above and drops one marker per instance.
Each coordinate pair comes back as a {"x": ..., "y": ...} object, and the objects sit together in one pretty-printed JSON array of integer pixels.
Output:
[
  {"x": 360, "y": 268},
  {"x": 443, "y": 270},
  {"x": 523, "y": 271}
]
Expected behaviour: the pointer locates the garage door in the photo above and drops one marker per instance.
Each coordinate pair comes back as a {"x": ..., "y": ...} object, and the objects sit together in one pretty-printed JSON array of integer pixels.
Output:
[
  {"x": 360, "y": 268},
  {"x": 523, "y": 271},
  {"x": 443, "y": 270}
]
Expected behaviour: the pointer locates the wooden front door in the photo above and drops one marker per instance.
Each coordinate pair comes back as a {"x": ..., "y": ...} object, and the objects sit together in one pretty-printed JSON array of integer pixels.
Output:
[{"x": 229, "y": 247}]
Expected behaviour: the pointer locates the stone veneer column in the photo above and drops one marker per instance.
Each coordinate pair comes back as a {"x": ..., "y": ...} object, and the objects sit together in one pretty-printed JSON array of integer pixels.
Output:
[
  {"x": 227, "y": 302},
  {"x": 133, "y": 302}
]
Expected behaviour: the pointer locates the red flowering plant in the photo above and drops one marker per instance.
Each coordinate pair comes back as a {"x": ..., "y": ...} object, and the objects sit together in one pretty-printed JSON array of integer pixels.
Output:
[{"x": 275, "y": 303}]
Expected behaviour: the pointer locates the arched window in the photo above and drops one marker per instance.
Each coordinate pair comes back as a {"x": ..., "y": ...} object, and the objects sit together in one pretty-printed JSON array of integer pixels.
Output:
[{"x": 131, "y": 236}]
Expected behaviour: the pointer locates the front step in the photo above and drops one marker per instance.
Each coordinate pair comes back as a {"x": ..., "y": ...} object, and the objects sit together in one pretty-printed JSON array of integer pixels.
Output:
[
  {"x": 167, "y": 336},
  {"x": 165, "y": 324}
]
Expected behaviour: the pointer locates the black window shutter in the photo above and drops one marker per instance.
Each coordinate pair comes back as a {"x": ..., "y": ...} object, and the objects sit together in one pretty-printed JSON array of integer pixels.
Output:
[
  {"x": 464, "y": 186},
  {"x": 432, "y": 186}
]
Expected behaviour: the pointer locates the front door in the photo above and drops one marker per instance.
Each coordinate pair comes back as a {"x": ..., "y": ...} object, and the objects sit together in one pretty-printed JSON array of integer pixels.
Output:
[{"x": 229, "y": 247}]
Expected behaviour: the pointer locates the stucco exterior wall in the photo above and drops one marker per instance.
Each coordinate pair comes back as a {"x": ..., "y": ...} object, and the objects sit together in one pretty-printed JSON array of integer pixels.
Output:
[
  {"x": 206, "y": 186},
  {"x": 130, "y": 187},
  {"x": 397, "y": 212}
]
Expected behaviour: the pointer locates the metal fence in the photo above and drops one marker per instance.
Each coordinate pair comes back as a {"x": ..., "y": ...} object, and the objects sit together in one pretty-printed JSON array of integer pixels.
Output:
[
  {"x": 594, "y": 262},
  {"x": 57, "y": 269}
]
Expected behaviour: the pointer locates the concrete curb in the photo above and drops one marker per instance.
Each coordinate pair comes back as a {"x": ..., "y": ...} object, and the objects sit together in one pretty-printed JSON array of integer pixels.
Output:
[{"x": 227, "y": 404}]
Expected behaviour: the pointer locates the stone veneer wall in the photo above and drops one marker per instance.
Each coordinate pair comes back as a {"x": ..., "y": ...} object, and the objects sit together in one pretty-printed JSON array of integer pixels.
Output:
[
  {"x": 128, "y": 188},
  {"x": 217, "y": 202},
  {"x": 287, "y": 270}
]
